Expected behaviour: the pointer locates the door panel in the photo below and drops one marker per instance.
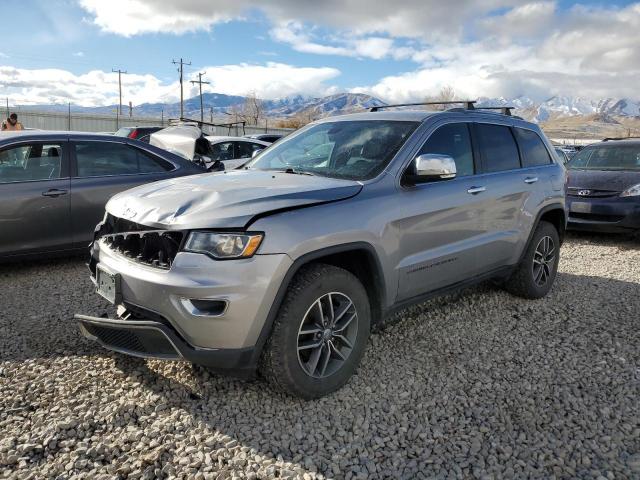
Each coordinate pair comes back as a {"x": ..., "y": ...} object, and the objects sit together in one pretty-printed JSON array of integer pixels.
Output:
[
  {"x": 440, "y": 234},
  {"x": 32, "y": 222},
  {"x": 504, "y": 197},
  {"x": 440, "y": 229},
  {"x": 34, "y": 197}
]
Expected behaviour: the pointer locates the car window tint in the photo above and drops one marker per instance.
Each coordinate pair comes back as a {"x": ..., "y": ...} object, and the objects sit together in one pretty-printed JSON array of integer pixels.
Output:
[
  {"x": 246, "y": 149},
  {"x": 110, "y": 158},
  {"x": 498, "y": 148},
  {"x": 35, "y": 161},
  {"x": 453, "y": 140},
  {"x": 534, "y": 152},
  {"x": 222, "y": 151},
  {"x": 147, "y": 163}
]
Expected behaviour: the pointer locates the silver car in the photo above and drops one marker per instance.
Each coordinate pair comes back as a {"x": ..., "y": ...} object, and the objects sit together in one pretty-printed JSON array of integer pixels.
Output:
[
  {"x": 286, "y": 265},
  {"x": 54, "y": 186}
]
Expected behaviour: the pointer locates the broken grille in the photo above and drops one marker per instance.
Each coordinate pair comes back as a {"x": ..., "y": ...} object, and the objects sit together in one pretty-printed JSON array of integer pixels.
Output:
[{"x": 156, "y": 248}]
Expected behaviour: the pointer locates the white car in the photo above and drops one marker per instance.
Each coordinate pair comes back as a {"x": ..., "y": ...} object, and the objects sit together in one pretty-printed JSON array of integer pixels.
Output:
[
  {"x": 233, "y": 151},
  {"x": 188, "y": 141}
]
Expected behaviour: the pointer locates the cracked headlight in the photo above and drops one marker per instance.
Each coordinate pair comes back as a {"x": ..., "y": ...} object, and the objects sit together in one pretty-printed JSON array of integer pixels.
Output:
[
  {"x": 223, "y": 245},
  {"x": 631, "y": 191}
]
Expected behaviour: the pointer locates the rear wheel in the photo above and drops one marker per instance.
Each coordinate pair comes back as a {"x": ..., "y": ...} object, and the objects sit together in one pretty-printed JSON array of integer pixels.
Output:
[
  {"x": 320, "y": 333},
  {"x": 536, "y": 272}
]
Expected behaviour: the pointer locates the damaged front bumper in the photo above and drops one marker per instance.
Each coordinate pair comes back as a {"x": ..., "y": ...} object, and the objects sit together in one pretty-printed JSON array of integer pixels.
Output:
[{"x": 153, "y": 339}]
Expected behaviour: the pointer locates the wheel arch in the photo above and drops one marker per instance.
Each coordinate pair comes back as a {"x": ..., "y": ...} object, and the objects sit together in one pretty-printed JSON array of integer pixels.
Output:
[
  {"x": 359, "y": 258},
  {"x": 554, "y": 214}
]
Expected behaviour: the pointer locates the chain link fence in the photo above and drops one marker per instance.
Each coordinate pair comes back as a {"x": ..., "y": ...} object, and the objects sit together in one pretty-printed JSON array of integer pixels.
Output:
[{"x": 84, "y": 122}]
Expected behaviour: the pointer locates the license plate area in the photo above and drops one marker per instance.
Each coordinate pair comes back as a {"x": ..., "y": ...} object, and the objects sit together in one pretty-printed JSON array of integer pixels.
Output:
[
  {"x": 580, "y": 207},
  {"x": 108, "y": 285}
]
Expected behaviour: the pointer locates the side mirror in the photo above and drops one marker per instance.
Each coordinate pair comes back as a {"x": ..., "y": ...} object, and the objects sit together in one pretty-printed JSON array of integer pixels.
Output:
[
  {"x": 433, "y": 167},
  {"x": 256, "y": 152}
]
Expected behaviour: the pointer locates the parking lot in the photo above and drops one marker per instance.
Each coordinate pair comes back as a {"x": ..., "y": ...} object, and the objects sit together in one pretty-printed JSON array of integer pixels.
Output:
[{"x": 478, "y": 385}]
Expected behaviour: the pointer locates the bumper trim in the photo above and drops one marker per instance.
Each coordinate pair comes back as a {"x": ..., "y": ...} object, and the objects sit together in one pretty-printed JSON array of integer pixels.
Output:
[{"x": 239, "y": 362}]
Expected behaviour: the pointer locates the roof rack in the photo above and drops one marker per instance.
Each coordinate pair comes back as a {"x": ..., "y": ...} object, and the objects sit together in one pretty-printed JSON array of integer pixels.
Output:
[
  {"x": 503, "y": 110},
  {"x": 228, "y": 125},
  {"x": 468, "y": 104},
  {"x": 619, "y": 138}
]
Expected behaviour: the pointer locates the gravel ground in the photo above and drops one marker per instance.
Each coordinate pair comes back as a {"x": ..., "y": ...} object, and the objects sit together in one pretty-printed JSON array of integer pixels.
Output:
[{"x": 477, "y": 385}]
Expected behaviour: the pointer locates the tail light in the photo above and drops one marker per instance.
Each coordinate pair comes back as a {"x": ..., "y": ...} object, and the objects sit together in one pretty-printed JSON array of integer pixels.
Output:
[{"x": 134, "y": 133}]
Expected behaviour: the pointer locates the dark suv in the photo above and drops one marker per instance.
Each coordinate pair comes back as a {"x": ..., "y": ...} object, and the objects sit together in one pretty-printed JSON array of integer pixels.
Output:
[{"x": 286, "y": 264}]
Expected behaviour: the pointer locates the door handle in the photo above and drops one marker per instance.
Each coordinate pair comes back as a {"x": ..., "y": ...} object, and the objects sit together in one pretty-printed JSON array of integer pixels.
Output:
[
  {"x": 54, "y": 192},
  {"x": 474, "y": 190},
  {"x": 531, "y": 180}
]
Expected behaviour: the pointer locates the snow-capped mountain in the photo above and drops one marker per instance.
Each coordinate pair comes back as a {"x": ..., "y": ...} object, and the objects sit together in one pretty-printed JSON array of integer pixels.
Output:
[
  {"x": 312, "y": 108},
  {"x": 562, "y": 106}
]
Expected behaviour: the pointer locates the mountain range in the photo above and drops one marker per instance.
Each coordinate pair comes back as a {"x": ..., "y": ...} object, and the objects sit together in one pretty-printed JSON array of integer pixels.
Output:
[{"x": 216, "y": 104}]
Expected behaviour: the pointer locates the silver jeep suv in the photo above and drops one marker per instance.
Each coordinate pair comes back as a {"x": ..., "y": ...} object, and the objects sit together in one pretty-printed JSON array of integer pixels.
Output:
[{"x": 284, "y": 265}]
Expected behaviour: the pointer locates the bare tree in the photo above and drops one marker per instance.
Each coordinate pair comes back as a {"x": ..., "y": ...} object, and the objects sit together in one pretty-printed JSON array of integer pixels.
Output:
[
  {"x": 252, "y": 109},
  {"x": 446, "y": 94}
]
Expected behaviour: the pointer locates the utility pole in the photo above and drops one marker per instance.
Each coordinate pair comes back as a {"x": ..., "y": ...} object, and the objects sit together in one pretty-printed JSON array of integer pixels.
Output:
[
  {"x": 211, "y": 114},
  {"x": 120, "y": 72},
  {"x": 200, "y": 82},
  {"x": 162, "y": 117},
  {"x": 181, "y": 63}
]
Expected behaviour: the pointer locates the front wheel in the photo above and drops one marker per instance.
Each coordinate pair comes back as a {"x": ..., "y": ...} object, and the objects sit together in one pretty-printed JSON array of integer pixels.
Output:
[
  {"x": 536, "y": 272},
  {"x": 320, "y": 333}
]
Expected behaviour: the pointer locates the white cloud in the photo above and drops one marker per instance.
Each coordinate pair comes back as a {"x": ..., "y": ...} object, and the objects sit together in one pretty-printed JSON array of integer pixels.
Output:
[
  {"x": 78, "y": 54},
  {"x": 96, "y": 88},
  {"x": 409, "y": 18},
  {"x": 271, "y": 80},
  {"x": 591, "y": 52}
]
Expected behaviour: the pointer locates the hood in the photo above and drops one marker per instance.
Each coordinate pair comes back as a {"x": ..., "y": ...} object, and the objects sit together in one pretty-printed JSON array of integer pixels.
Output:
[
  {"x": 224, "y": 200},
  {"x": 180, "y": 140},
  {"x": 614, "y": 181}
]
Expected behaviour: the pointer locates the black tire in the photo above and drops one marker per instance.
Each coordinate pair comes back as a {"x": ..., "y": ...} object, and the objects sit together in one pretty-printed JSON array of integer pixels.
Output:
[
  {"x": 526, "y": 281},
  {"x": 282, "y": 364}
]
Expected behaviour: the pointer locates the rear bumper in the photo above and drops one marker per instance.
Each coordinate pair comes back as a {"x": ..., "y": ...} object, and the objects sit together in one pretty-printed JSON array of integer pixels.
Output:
[
  {"x": 613, "y": 214},
  {"x": 152, "y": 339}
]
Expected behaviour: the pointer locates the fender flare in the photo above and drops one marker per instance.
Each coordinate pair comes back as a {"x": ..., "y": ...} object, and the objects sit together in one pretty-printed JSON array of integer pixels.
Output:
[{"x": 296, "y": 266}]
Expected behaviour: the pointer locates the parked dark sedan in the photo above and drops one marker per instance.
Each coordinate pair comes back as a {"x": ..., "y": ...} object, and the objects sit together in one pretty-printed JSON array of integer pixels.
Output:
[
  {"x": 54, "y": 185},
  {"x": 603, "y": 190}
]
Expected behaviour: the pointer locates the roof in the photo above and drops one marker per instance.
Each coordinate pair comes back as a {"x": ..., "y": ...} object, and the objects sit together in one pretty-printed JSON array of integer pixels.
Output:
[{"x": 52, "y": 133}]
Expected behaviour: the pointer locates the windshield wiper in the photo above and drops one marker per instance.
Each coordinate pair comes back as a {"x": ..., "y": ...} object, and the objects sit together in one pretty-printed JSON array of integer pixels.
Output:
[{"x": 297, "y": 172}]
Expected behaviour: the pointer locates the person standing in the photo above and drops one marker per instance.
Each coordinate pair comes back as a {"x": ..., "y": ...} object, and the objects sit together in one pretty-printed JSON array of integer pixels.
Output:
[{"x": 12, "y": 123}]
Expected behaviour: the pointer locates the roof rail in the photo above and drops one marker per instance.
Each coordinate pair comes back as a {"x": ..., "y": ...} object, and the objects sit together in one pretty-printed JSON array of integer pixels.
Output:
[
  {"x": 503, "y": 110},
  {"x": 468, "y": 104},
  {"x": 619, "y": 138}
]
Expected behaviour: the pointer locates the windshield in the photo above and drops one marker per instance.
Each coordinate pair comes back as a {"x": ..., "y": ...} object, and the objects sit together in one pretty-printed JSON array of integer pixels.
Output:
[
  {"x": 356, "y": 150},
  {"x": 610, "y": 157}
]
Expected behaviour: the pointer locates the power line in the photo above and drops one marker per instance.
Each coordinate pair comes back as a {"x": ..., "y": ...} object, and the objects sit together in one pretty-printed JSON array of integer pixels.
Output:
[
  {"x": 120, "y": 72},
  {"x": 200, "y": 82},
  {"x": 182, "y": 63}
]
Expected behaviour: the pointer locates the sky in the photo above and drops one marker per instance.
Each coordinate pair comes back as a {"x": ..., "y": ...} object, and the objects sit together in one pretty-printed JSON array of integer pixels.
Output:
[{"x": 59, "y": 51}]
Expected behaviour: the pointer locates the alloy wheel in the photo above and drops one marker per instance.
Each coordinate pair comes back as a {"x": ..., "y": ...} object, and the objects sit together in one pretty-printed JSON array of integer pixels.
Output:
[
  {"x": 327, "y": 335},
  {"x": 544, "y": 258}
]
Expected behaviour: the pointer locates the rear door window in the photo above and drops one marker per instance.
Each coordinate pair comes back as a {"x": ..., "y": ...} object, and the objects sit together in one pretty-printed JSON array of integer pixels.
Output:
[
  {"x": 246, "y": 149},
  {"x": 534, "y": 152},
  {"x": 497, "y": 148},
  {"x": 96, "y": 159},
  {"x": 32, "y": 161}
]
